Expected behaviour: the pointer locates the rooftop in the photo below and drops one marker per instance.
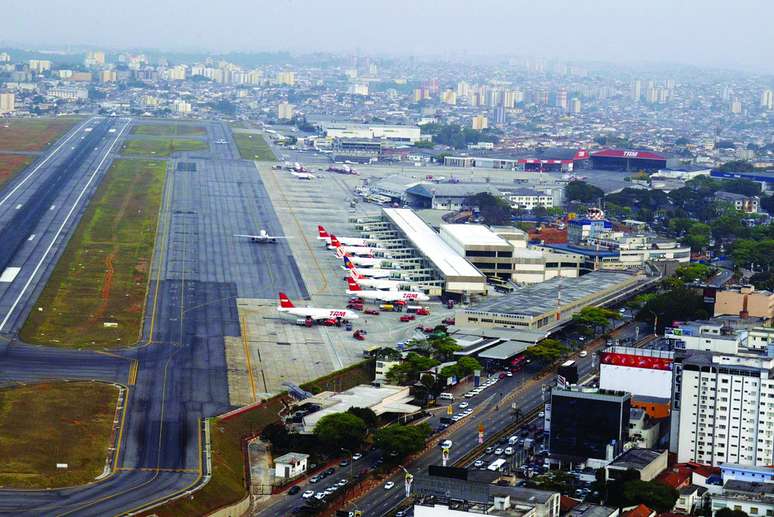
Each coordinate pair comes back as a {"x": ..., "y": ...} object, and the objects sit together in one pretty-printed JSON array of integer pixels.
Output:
[
  {"x": 291, "y": 458},
  {"x": 430, "y": 244},
  {"x": 636, "y": 459},
  {"x": 537, "y": 299},
  {"x": 473, "y": 235}
]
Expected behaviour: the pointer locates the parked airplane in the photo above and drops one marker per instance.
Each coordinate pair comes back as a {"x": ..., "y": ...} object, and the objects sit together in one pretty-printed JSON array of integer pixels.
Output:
[
  {"x": 385, "y": 296},
  {"x": 366, "y": 262},
  {"x": 358, "y": 251},
  {"x": 375, "y": 283},
  {"x": 323, "y": 235},
  {"x": 262, "y": 236},
  {"x": 304, "y": 175},
  {"x": 369, "y": 272},
  {"x": 317, "y": 314}
]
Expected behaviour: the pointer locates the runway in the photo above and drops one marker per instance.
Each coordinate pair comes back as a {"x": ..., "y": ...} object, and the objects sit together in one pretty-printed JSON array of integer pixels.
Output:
[{"x": 198, "y": 271}]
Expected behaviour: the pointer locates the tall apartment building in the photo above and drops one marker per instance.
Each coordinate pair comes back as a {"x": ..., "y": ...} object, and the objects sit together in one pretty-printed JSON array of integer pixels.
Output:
[
  {"x": 286, "y": 78},
  {"x": 285, "y": 111},
  {"x": 7, "y": 103},
  {"x": 767, "y": 100},
  {"x": 723, "y": 397},
  {"x": 479, "y": 122}
]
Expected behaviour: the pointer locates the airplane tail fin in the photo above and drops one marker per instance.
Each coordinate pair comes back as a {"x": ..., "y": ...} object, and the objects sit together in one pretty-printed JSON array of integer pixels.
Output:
[
  {"x": 353, "y": 285},
  {"x": 335, "y": 242},
  {"x": 322, "y": 233},
  {"x": 285, "y": 302},
  {"x": 348, "y": 263},
  {"x": 355, "y": 275}
]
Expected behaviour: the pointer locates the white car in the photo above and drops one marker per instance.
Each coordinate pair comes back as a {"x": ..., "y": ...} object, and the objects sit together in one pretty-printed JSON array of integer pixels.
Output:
[
  {"x": 388, "y": 485},
  {"x": 470, "y": 395},
  {"x": 319, "y": 495},
  {"x": 509, "y": 374},
  {"x": 307, "y": 494},
  {"x": 463, "y": 405},
  {"x": 467, "y": 412},
  {"x": 478, "y": 464},
  {"x": 456, "y": 418},
  {"x": 446, "y": 444},
  {"x": 342, "y": 483},
  {"x": 498, "y": 451},
  {"x": 583, "y": 353},
  {"x": 508, "y": 451},
  {"x": 356, "y": 456}
]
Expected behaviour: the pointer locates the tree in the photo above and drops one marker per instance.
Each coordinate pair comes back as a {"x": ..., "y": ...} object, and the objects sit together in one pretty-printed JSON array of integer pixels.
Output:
[
  {"x": 402, "y": 439},
  {"x": 365, "y": 414},
  {"x": 736, "y": 166},
  {"x": 340, "y": 428},
  {"x": 582, "y": 192},
  {"x": 679, "y": 304},
  {"x": 655, "y": 495},
  {"x": 444, "y": 347},
  {"x": 594, "y": 318},
  {"x": 693, "y": 272},
  {"x": 462, "y": 368},
  {"x": 408, "y": 371},
  {"x": 546, "y": 351},
  {"x": 493, "y": 209},
  {"x": 741, "y": 186}
]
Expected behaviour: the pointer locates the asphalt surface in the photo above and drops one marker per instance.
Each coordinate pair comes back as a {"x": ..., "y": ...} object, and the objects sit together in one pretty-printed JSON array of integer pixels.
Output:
[{"x": 199, "y": 270}]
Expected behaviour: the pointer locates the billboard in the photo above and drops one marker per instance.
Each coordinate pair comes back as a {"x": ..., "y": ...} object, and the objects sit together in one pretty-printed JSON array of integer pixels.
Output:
[
  {"x": 642, "y": 382},
  {"x": 636, "y": 361}
]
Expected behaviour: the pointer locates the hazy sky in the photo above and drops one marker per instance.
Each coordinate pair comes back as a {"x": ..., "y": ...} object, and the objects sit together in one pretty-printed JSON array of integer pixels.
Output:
[{"x": 724, "y": 33}]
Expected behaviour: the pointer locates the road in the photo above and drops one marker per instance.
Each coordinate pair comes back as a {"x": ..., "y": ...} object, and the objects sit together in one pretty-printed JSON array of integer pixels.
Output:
[
  {"x": 495, "y": 415},
  {"x": 198, "y": 271}
]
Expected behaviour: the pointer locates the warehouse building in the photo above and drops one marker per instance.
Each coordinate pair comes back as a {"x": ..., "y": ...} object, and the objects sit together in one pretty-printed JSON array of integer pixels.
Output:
[
  {"x": 407, "y": 134},
  {"x": 447, "y": 196},
  {"x": 622, "y": 160},
  {"x": 550, "y": 304}
]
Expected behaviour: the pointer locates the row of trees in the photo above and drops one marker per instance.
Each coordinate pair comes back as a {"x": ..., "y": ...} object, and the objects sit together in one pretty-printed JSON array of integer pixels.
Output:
[{"x": 457, "y": 136}]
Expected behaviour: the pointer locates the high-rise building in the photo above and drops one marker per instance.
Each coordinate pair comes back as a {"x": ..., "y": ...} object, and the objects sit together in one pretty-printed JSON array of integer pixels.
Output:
[
  {"x": 108, "y": 76},
  {"x": 95, "y": 58},
  {"x": 463, "y": 89},
  {"x": 7, "y": 103},
  {"x": 767, "y": 100},
  {"x": 479, "y": 122},
  {"x": 637, "y": 90},
  {"x": 736, "y": 106},
  {"x": 5, "y": 57},
  {"x": 575, "y": 105},
  {"x": 285, "y": 111},
  {"x": 449, "y": 97},
  {"x": 358, "y": 89},
  {"x": 286, "y": 78},
  {"x": 588, "y": 423},
  {"x": 39, "y": 65},
  {"x": 721, "y": 403},
  {"x": 561, "y": 99},
  {"x": 181, "y": 106},
  {"x": 499, "y": 115}
]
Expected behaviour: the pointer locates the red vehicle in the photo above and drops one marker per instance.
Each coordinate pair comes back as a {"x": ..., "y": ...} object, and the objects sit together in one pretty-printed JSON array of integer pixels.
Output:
[
  {"x": 449, "y": 321},
  {"x": 355, "y": 306},
  {"x": 356, "y": 299},
  {"x": 518, "y": 363},
  {"x": 407, "y": 317},
  {"x": 372, "y": 312},
  {"x": 424, "y": 311},
  {"x": 399, "y": 302},
  {"x": 428, "y": 330},
  {"x": 330, "y": 322},
  {"x": 359, "y": 335}
]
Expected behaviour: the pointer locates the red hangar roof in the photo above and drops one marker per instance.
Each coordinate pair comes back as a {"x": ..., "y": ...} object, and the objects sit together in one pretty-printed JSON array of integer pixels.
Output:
[{"x": 620, "y": 153}]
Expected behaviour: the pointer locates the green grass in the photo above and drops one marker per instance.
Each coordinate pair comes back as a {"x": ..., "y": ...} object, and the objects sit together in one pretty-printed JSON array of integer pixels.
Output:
[
  {"x": 169, "y": 130},
  {"x": 161, "y": 147},
  {"x": 102, "y": 276},
  {"x": 228, "y": 484},
  {"x": 252, "y": 146},
  {"x": 45, "y": 424},
  {"x": 33, "y": 134}
]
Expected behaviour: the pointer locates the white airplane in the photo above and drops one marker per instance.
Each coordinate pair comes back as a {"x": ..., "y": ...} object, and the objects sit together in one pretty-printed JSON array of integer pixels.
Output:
[
  {"x": 385, "y": 296},
  {"x": 358, "y": 251},
  {"x": 221, "y": 141},
  {"x": 375, "y": 283},
  {"x": 262, "y": 236},
  {"x": 348, "y": 241},
  {"x": 369, "y": 272},
  {"x": 360, "y": 261},
  {"x": 304, "y": 175},
  {"x": 317, "y": 314}
]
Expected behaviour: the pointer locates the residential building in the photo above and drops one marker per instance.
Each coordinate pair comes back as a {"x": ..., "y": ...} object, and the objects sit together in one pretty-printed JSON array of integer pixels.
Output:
[
  {"x": 754, "y": 499},
  {"x": 585, "y": 423},
  {"x": 69, "y": 93},
  {"x": 529, "y": 199},
  {"x": 643, "y": 430},
  {"x": 286, "y": 78},
  {"x": 382, "y": 367},
  {"x": 767, "y": 100},
  {"x": 745, "y": 301},
  {"x": 7, "y": 103},
  {"x": 736, "y": 106},
  {"x": 39, "y": 65},
  {"x": 290, "y": 465},
  {"x": 760, "y": 338},
  {"x": 181, "y": 106},
  {"x": 285, "y": 111},
  {"x": 742, "y": 203},
  {"x": 479, "y": 122}
]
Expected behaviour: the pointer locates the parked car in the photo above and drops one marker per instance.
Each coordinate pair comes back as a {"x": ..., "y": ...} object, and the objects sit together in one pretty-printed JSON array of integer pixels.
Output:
[
  {"x": 356, "y": 456},
  {"x": 388, "y": 485},
  {"x": 498, "y": 451},
  {"x": 463, "y": 405},
  {"x": 307, "y": 494},
  {"x": 294, "y": 490},
  {"x": 343, "y": 463},
  {"x": 407, "y": 317},
  {"x": 478, "y": 464},
  {"x": 423, "y": 311},
  {"x": 583, "y": 353},
  {"x": 314, "y": 479},
  {"x": 371, "y": 312},
  {"x": 329, "y": 471},
  {"x": 449, "y": 321}
]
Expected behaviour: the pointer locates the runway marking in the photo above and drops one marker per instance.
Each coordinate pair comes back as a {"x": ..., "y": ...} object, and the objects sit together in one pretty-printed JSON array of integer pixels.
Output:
[
  {"x": 154, "y": 469},
  {"x": 133, "y": 372},
  {"x": 41, "y": 164},
  {"x": 61, "y": 228},
  {"x": 167, "y": 223},
  {"x": 9, "y": 274},
  {"x": 52, "y": 207},
  {"x": 31, "y": 237},
  {"x": 247, "y": 358},
  {"x": 19, "y": 206}
]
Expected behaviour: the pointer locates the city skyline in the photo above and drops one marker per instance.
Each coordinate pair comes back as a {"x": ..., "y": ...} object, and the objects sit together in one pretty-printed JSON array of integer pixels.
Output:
[{"x": 688, "y": 34}]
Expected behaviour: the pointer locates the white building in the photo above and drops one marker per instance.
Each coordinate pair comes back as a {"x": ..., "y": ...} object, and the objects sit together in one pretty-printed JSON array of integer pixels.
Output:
[
  {"x": 408, "y": 134},
  {"x": 285, "y": 111},
  {"x": 529, "y": 199},
  {"x": 382, "y": 367},
  {"x": 7, "y": 103},
  {"x": 181, "y": 106},
  {"x": 69, "y": 93},
  {"x": 723, "y": 399},
  {"x": 290, "y": 465}
]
